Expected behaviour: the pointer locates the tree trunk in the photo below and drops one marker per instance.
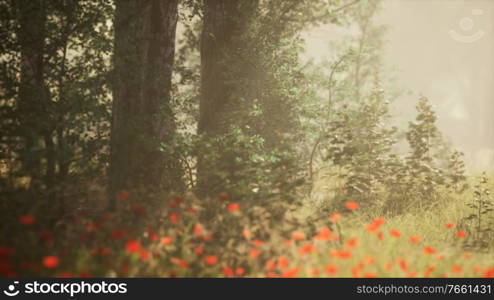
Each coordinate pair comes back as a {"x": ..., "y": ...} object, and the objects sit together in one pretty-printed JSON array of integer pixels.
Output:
[
  {"x": 33, "y": 93},
  {"x": 224, "y": 24},
  {"x": 142, "y": 118}
]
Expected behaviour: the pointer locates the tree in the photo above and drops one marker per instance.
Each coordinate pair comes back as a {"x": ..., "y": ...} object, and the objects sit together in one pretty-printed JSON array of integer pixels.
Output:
[{"x": 142, "y": 118}]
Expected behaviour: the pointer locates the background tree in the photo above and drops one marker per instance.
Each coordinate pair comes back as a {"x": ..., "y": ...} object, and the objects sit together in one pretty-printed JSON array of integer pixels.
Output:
[{"x": 142, "y": 118}]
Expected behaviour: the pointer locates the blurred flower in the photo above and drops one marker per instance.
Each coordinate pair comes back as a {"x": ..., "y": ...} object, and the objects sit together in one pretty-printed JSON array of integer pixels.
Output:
[
  {"x": 133, "y": 246},
  {"x": 197, "y": 229},
  {"x": 227, "y": 271},
  {"x": 179, "y": 262},
  {"x": 298, "y": 236},
  {"x": 282, "y": 262},
  {"x": 239, "y": 271},
  {"x": 334, "y": 217},
  {"x": 351, "y": 242},
  {"x": 449, "y": 225},
  {"x": 429, "y": 250},
  {"x": 414, "y": 239},
  {"x": 166, "y": 240},
  {"x": 211, "y": 260},
  {"x": 254, "y": 253},
  {"x": 331, "y": 270},
  {"x": 395, "y": 233},
  {"x": 223, "y": 196},
  {"x": 351, "y": 205},
  {"x": 26, "y": 220},
  {"x": 257, "y": 243},
  {"x": 50, "y": 262},
  {"x": 461, "y": 234},
  {"x": 174, "y": 218},
  {"x": 199, "y": 250},
  {"x": 123, "y": 195},
  {"x": 233, "y": 207},
  {"x": 307, "y": 249}
]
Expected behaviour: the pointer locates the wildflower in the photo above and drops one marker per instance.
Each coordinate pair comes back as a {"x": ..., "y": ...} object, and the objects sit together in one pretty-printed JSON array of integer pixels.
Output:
[
  {"x": 380, "y": 235},
  {"x": 456, "y": 269},
  {"x": 414, "y": 239},
  {"x": 270, "y": 265},
  {"x": 331, "y": 270},
  {"x": 257, "y": 243},
  {"x": 307, "y": 248},
  {"x": 143, "y": 255},
  {"x": 227, "y": 271},
  {"x": 378, "y": 221},
  {"x": 467, "y": 255},
  {"x": 199, "y": 250},
  {"x": 351, "y": 205},
  {"x": 324, "y": 234},
  {"x": 343, "y": 254},
  {"x": 174, "y": 218},
  {"x": 166, "y": 240},
  {"x": 104, "y": 251},
  {"x": 290, "y": 273},
  {"x": 403, "y": 264},
  {"x": 370, "y": 275},
  {"x": 429, "y": 250},
  {"x": 50, "y": 262},
  {"x": 133, "y": 246},
  {"x": 254, "y": 253},
  {"x": 233, "y": 207},
  {"x": 429, "y": 270},
  {"x": 461, "y": 234},
  {"x": 298, "y": 236},
  {"x": 179, "y": 262},
  {"x": 395, "y": 233},
  {"x": 489, "y": 273},
  {"x": 139, "y": 209},
  {"x": 282, "y": 262},
  {"x": 449, "y": 225},
  {"x": 197, "y": 229},
  {"x": 288, "y": 242},
  {"x": 239, "y": 271},
  {"x": 26, "y": 220},
  {"x": 334, "y": 217},
  {"x": 211, "y": 260},
  {"x": 246, "y": 234},
  {"x": 352, "y": 242}
]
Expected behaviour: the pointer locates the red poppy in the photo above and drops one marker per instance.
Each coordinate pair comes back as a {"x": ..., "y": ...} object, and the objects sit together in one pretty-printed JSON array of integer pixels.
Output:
[
  {"x": 334, "y": 217},
  {"x": 239, "y": 271},
  {"x": 143, "y": 254},
  {"x": 331, "y": 270},
  {"x": 211, "y": 260},
  {"x": 306, "y": 249},
  {"x": 50, "y": 262},
  {"x": 290, "y": 273},
  {"x": 270, "y": 265},
  {"x": 395, "y": 233},
  {"x": 414, "y": 239},
  {"x": 227, "y": 271},
  {"x": 233, "y": 207},
  {"x": 352, "y": 242},
  {"x": 133, "y": 246},
  {"x": 199, "y": 250},
  {"x": 449, "y": 225},
  {"x": 179, "y": 262},
  {"x": 298, "y": 236},
  {"x": 223, "y": 196},
  {"x": 26, "y": 220},
  {"x": 324, "y": 234},
  {"x": 166, "y": 240},
  {"x": 254, "y": 253},
  {"x": 461, "y": 234},
  {"x": 197, "y": 229},
  {"x": 282, "y": 262},
  {"x": 257, "y": 243},
  {"x": 104, "y": 251},
  {"x": 429, "y": 250},
  {"x": 174, "y": 218},
  {"x": 352, "y": 205}
]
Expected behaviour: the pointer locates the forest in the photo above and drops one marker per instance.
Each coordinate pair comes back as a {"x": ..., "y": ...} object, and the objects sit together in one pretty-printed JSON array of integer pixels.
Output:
[{"x": 195, "y": 138}]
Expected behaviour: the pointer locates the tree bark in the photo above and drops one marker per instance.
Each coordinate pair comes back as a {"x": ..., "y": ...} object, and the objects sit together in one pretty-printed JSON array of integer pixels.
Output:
[
  {"x": 224, "y": 25},
  {"x": 142, "y": 117}
]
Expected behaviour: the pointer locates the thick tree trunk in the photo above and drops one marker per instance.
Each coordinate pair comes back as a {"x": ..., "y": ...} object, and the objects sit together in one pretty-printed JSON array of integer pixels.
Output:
[
  {"x": 142, "y": 118},
  {"x": 33, "y": 94},
  {"x": 224, "y": 24}
]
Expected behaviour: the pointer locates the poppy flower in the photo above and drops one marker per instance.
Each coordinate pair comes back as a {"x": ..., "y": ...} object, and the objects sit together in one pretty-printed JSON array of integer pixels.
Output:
[
  {"x": 166, "y": 240},
  {"x": 174, "y": 218},
  {"x": 199, "y": 250},
  {"x": 239, "y": 271},
  {"x": 257, "y": 243},
  {"x": 306, "y": 249},
  {"x": 334, "y": 217},
  {"x": 324, "y": 234},
  {"x": 104, "y": 251},
  {"x": 26, "y": 220},
  {"x": 211, "y": 260},
  {"x": 395, "y": 233},
  {"x": 449, "y": 225},
  {"x": 352, "y": 242},
  {"x": 133, "y": 246},
  {"x": 254, "y": 253},
  {"x": 270, "y": 265},
  {"x": 414, "y": 239},
  {"x": 298, "y": 236},
  {"x": 331, "y": 270},
  {"x": 246, "y": 234},
  {"x": 429, "y": 250},
  {"x": 144, "y": 255},
  {"x": 467, "y": 255},
  {"x": 233, "y": 207},
  {"x": 50, "y": 262},
  {"x": 461, "y": 234},
  {"x": 456, "y": 269},
  {"x": 352, "y": 205},
  {"x": 290, "y": 273},
  {"x": 197, "y": 229},
  {"x": 380, "y": 235},
  {"x": 429, "y": 270},
  {"x": 489, "y": 273},
  {"x": 282, "y": 262},
  {"x": 227, "y": 271},
  {"x": 182, "y": 263}
]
